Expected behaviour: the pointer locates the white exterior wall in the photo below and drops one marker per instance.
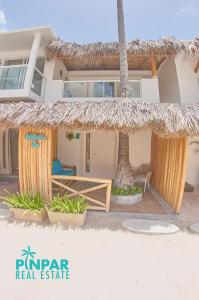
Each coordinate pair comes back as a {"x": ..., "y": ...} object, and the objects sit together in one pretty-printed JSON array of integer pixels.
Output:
[
  {"x": 193, "y": 164},
  {"x": 54, "y": 90},
  {"x": 150, "y": 90},
  {"x": 168, "y": 82},
  {"x": 140, "y": 148},
  {"x": 69, "y": 152},
  {"x": 105, "y": 75},
  {"x": 103, "y": 152},
  {"x": 59, "y": 67},
  {"x": 54, "y": 84},
  {"x": 187, "y": 79},
  {"x": 189, "y": 93}
]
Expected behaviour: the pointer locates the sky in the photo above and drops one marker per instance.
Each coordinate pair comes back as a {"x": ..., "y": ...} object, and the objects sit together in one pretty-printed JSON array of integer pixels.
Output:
[{"x": 85, "y": 21}]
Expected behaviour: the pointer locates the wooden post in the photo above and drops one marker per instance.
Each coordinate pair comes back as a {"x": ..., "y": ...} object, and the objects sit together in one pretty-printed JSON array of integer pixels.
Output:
[
  {"x": 108, "y": 197},
  {"x": 153, "y": 67},
  {"x": 197, "y": 67}
]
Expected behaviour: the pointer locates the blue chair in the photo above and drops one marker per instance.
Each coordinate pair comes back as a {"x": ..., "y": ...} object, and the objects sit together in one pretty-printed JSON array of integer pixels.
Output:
[{"x": 58, "y": 169}]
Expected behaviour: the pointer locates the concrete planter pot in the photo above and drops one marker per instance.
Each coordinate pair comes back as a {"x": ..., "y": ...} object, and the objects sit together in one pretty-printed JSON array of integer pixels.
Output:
[
  {"x": 127, "y": 200},
  {"x": 67, "y": 218},
  {"x": 28, "y": 215}
]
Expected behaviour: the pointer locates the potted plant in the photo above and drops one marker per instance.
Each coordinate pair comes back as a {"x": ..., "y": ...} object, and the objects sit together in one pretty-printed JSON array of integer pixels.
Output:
[
  {"x": 27, "y": 207},
  {"x": 127, "y": 196},
  {"x": 66, "y": 210}
]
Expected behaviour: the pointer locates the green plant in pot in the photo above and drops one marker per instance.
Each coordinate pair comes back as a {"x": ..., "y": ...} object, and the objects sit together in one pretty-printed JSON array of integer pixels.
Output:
[
  {"x": 26, "y": 206},
  {"x": 67, "y": 210},
  {"x": 130, "y": 195}
]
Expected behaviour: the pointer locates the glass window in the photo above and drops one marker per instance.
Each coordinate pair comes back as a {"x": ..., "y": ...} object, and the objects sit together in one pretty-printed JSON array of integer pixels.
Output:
[
  {"x": 75, "y": 89},
  {"x": 109, "y": 89},
  {"x": 12, "y": 78},
  {"x": 95, "y": 89},
  {"x": 37, "y": 83},
  {"x": 40, "y": 64},
  {"x": 134, "y": 89}
]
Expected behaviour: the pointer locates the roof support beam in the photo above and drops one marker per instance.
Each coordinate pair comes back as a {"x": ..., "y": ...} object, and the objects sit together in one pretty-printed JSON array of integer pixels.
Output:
[
  {"x": 197, "y": 67},
  {"x": 153, "y": 67}
]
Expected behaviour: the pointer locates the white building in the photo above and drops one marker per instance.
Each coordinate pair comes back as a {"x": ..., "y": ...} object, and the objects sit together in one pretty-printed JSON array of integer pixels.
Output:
[{"x": 26, "y": 75}]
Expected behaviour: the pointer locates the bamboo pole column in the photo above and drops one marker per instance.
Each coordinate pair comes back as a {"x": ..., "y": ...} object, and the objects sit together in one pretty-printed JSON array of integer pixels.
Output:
[
  {"x": 35, "y": 164},
  {"x": 169, "y": 162}
]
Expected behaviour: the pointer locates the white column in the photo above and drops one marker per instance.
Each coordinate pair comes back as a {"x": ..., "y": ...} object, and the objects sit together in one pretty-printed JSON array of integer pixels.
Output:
[{"x": 31, "y": 63}]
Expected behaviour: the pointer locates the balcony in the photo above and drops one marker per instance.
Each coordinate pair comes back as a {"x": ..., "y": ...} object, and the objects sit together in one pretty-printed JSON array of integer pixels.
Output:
[
  {"x": 145, "y": 89},
  {"x": 100, "y": 89},
  {"x": 12, "y": 77},
  {"x": 12, "y": 83}
]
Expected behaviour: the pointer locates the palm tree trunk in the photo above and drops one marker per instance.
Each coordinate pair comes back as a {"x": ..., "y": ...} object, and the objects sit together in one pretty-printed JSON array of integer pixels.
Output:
[{"x": 123, "y": 177}]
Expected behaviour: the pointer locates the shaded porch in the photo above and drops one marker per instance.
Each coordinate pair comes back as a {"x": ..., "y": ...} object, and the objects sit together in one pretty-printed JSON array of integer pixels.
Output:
[
  {"x": 168, "y": 161},
  {"x": 170, "y": 126}
]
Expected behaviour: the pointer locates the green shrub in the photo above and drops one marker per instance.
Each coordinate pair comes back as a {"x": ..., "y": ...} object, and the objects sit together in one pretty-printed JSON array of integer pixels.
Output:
[
  {"x": 116, "y": 191},
  {"x": 65, "y": 204},
  {"x": 25, "y": 201}
]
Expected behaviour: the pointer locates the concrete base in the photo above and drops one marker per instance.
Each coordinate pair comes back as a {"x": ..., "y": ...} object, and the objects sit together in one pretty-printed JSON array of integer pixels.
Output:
[
  {"x": 150, "y": 226},
  {"x": 4, "y": 214},
  {"x": 195, "y": 228}
]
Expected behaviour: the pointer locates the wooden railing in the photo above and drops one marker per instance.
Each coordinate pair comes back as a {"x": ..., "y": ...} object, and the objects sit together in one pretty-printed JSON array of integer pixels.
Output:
[{"x": 70, "y": 184}]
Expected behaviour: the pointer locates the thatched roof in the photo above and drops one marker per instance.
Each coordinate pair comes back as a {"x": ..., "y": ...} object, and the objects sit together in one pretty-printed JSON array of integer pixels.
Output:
[
  {"x": 106, "y": 55},
  {"x": 111, "y": 114}
]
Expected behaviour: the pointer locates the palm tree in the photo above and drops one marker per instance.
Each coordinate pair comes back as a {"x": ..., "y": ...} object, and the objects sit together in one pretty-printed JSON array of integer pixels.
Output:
[
  {"x": 28, "y": 253},
  {"x": 123, "y": 176}
]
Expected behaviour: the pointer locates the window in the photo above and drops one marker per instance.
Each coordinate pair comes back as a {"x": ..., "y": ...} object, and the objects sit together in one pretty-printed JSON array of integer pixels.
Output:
[
  {"x": 75, "y": 89},
  {"x": 16, "y": 62},
  {"x": 39, "y": 81},
  {"x": 40, "y": 63},
  {"x": 12, "y": 77},
  {"x": 95, "y": 89},
  {"x": 134, "y": 89},
  {"x": 109, "y": 89}
]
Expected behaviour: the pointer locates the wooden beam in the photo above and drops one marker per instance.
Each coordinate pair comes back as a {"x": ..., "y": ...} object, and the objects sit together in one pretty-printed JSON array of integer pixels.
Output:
[
  {"x": 153, "y": 67},
  {"x": 197, "y": 67}
]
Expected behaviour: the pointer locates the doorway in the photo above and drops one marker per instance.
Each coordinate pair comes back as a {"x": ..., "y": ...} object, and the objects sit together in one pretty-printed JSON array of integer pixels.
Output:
[
  {"x": 8, "y": 152},
  {"x": 99, "y": 154}
]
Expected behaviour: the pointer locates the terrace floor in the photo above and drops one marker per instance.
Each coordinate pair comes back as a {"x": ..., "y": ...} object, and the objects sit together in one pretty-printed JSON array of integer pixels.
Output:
[{"x": 150, "y": 204}]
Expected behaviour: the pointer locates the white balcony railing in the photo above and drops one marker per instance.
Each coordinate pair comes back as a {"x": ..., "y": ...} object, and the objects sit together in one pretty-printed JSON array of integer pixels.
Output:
[
  {"x": 100, "y": 89},
  {"x": 12, "y": 77}
]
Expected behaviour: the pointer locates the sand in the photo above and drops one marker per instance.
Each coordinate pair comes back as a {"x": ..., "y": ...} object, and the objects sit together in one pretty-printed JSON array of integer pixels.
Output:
[{"x": 103, "y": 264}]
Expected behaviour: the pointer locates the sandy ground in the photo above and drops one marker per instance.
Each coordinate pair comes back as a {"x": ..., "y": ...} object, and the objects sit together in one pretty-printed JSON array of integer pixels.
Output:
[{"x": 104, "y": 264}]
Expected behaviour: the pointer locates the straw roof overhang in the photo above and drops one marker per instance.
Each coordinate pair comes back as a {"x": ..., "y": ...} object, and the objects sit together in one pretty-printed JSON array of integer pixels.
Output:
[
  {"x": 105, "y": 56},
  {"x": 114, "y": 114}
]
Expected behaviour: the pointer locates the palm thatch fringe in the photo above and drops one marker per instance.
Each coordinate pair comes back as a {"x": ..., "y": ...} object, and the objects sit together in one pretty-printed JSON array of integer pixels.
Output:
[
  {"x": 163, "y": 46},
  {"x": 125, "y": 115}
]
